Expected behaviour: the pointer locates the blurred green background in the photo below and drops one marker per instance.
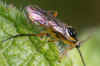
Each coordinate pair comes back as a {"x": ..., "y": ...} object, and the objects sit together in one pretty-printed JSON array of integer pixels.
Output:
[{"x": 83, "y": 15}]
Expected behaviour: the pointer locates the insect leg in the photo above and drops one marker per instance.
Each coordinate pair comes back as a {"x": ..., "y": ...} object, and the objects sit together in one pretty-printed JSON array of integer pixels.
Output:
[
  {"x": 52, "y": 40},
  {"x": 53, "y": 13},
  {"x": 21, "y": 35},
  {"x": 65, "y": 52}
]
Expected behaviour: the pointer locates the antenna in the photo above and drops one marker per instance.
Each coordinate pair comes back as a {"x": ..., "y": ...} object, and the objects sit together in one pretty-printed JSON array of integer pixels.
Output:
[
  {"x": 81, "y": 56},
  {"x": 78, "y": 49}
]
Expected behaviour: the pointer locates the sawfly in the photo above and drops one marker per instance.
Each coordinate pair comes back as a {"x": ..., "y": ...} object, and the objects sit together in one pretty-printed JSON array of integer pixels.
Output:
[{"x": 54, "y": 27}]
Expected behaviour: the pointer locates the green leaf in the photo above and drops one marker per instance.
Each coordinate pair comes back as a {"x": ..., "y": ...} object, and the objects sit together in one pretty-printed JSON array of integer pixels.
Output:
[{"x": 25, "y": 51}]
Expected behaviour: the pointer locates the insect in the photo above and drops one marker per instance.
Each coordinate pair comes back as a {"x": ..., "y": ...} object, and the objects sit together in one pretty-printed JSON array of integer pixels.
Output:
[{"x": 55, "y": 28}]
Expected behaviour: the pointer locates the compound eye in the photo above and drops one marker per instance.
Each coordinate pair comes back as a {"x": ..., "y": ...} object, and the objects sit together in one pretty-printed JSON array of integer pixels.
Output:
[{"x": 72, "y": 32}]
